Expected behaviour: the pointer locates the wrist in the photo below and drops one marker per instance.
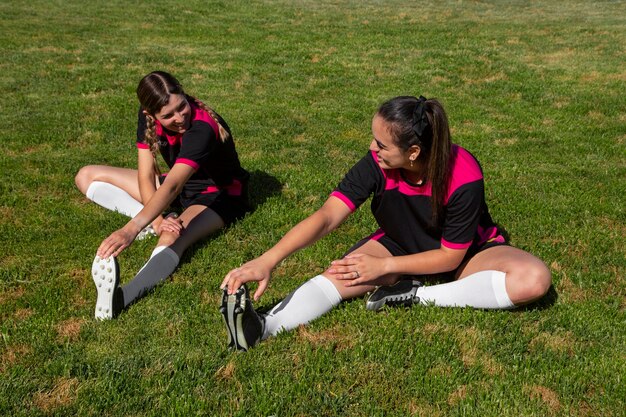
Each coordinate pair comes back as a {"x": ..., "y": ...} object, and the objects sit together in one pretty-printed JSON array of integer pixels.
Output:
[
  {"x": 133, "y": 226},
  {"x": 388, "y": 265}
]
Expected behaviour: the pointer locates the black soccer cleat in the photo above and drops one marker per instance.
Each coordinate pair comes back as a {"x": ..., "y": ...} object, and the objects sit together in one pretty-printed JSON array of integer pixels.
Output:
[
  {"x": 403, "y": 293},
  {"x": 243, "y": 324}
]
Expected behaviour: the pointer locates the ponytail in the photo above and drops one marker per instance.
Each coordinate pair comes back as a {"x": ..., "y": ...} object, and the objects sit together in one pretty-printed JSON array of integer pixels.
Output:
[{"x": 423, "y": 122}]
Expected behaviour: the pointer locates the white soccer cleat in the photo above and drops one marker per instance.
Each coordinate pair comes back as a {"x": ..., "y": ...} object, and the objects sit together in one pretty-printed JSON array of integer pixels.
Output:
[
  {"x": 106, "y": 276},
  {"x": 146, "y": 233}
]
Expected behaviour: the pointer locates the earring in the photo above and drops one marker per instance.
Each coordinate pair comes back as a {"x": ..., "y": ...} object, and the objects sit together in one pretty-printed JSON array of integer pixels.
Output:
[{"x": 411, "y": 162}]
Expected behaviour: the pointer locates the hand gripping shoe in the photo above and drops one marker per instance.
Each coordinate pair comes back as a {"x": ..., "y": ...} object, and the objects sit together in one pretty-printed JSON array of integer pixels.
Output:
[
  {"x": 243, "y": 324},
  {"x": 403, "y": 293}
]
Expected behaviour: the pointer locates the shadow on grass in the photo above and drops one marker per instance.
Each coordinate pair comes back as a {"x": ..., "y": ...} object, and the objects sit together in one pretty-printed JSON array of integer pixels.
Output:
[
  {"x": 261, "y": 187},
  {"x": 543, "y": 303}
]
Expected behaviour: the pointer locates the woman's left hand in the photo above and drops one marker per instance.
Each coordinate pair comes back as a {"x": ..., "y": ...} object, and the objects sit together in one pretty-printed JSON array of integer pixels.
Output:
[
  {"x": 171, "y": 223},
  {"x": 357, "y": 268},
  {"x": 116, "y": 243}
]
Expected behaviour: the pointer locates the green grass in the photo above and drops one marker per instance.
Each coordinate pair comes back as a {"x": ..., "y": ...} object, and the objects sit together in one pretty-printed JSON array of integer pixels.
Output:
[{"x": 534, "y": 89}]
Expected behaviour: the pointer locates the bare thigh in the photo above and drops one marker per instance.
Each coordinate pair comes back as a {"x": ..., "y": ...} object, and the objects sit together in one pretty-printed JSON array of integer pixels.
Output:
[
  {"x": 199, "y": 222},
  {"x": 124, "y": 178},
  {"x": 374, "y": 248},
  {"x": 527, "y": 277}
]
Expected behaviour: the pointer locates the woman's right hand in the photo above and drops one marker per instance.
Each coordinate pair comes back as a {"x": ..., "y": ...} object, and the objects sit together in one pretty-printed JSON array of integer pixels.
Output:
[{"x": 254, "y": 270}]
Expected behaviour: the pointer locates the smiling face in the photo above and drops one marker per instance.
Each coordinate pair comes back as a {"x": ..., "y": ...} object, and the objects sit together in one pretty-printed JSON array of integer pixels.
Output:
[
  {"x": 388, "y": 153},
  {"x": 176, "y": 114}
]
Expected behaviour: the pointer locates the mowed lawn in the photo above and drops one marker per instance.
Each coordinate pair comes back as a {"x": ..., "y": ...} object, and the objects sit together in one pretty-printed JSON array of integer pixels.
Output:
[{"x": 535, "y": 90}]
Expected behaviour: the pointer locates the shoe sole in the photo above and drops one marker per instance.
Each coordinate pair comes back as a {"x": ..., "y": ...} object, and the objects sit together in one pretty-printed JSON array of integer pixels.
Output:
[
  {"x": 224, "y": 312},
  {"x": 235, "y": 308},
  {"x": 106, "y": 277}
]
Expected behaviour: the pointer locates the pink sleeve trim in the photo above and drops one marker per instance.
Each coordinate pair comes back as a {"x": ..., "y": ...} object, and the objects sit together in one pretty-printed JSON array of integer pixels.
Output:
[
  {"x": 345, "y": 199},
  {"x": 142, "y": 146},
  {"x": 189, "y": 162},
  {"x": 452, "y": 245}
]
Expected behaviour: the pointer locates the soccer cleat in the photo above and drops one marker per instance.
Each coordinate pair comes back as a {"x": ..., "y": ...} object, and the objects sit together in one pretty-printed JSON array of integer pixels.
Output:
[
  {"x": 403, "y": 293},
  {"x": 243, "y": 324},
  {"x": 146, "y": 232},
  {"x": 106, "y": 276}
]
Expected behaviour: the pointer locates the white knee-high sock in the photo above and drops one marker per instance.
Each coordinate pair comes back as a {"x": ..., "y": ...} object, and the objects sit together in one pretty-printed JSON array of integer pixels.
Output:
[
  {"x": 484, "y": 289},
  {"x": 161, "y": 264},
  {"x": 311, "y": 300},
  {"x": 113, "y": 198}
]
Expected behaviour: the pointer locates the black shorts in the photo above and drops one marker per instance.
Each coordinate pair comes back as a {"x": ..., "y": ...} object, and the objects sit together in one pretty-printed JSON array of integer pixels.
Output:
[{"x": 229, "y": 208}]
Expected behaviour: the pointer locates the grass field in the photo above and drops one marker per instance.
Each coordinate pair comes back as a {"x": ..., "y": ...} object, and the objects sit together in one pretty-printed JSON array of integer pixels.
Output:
[{"x": 535, "y": 89}]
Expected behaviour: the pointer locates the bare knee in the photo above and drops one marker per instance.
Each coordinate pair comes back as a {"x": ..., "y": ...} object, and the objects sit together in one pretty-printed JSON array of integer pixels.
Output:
[
  {"x": 537, "y": 280},
  {"x": 85, "y": 176}
]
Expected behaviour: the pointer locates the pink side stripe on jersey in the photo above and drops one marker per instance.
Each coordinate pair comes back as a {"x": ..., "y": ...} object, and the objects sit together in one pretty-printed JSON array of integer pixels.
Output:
[
  {"x": 453, "y": 245},
  {"x": 377, "y": 234},
  {"x": 345, "y": 199},
  {"x": 234, "y": 189},
  {"x": 143, "y": 146},
  {"x": 189, "y": 162}
]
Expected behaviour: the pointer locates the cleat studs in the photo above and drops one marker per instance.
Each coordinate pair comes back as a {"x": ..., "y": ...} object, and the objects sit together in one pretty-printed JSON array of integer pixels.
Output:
[{"x": 109, "y": 269}]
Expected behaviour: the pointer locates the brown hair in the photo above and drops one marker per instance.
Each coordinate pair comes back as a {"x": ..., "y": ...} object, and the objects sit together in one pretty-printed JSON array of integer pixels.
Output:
[
  {"x": 154, "y": 92},
  {"x": 435, "y": 142}
]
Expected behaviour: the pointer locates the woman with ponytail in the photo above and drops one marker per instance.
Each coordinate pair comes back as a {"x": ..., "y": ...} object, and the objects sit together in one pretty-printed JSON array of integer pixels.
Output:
[
  {"x": 428, "y": 201},
  {"x": 205, "y": 180}
]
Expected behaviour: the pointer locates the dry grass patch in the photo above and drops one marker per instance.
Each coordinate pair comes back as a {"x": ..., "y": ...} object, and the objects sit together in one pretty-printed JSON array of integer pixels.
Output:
[
  {"x": 226, "y": 372},
  {"x": 335, "y": 337},
  {"x": 471, "y": 355},
  {"x": 570, "y": 291},
  {"x": 12, "y": 355},
  {"x": 62, "y": 394},
  {"x": 23, "y": 314},
  {"x": 557, "y": 343},
  {"x": 422, "y": 410},
  {"x": 69, "y": 329},
  {"x": 441, "y": 369},
  {"x": 459, "y": 395},
  {"x": 545, "y": 395},
  {"x": 13, "y": 293}
]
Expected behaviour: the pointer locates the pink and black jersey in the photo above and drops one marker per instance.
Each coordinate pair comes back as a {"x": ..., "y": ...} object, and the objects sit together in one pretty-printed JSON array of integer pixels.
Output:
[
  {"x": 216, "y": 163},
  {"x": 403, "y": 210}
]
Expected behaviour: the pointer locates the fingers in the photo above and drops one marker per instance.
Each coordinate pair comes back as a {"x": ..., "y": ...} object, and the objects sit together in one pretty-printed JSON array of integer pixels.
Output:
[{"x": 260, "y": 290}]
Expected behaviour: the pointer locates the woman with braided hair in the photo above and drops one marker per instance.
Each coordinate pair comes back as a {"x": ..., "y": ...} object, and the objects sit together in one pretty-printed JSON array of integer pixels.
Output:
[
  {"x": 428, "y": 201},
  {"x": 205, "y": 179}
]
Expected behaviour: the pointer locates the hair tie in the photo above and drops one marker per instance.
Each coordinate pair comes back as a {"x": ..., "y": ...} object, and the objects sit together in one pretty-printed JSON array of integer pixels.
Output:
[{"x": 420, "y": 120}]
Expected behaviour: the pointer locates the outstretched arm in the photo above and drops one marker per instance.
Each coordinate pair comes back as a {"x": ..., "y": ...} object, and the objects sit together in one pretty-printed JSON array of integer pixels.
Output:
[
  {"x": 317, "y": 225},
  {"x": 160, "y": 200}
]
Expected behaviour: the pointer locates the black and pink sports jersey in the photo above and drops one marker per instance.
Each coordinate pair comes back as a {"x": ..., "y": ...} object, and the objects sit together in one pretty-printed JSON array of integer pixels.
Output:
[
  {"x": 403, "y": 210},
  {"x": 216, "y": 163}
]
